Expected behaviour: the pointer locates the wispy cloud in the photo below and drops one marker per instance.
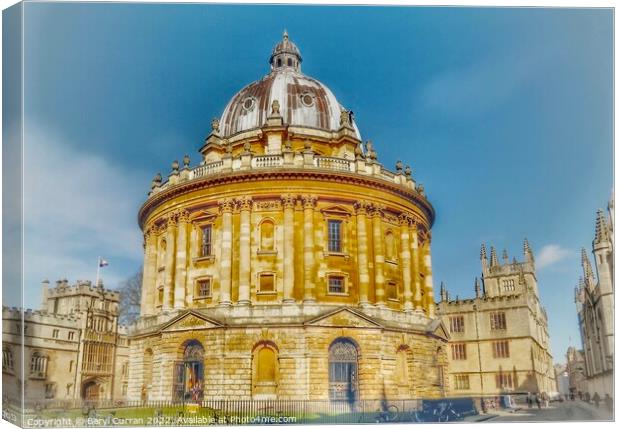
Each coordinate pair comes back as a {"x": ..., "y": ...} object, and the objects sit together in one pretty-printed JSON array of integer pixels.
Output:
[
  {"x": 551, "y": 254},
  {"x": 76, "y": 207},
  {"x": 478, "y": 87}
]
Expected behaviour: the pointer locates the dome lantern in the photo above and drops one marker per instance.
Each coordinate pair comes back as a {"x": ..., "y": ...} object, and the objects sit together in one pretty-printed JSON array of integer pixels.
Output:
[{"x": 285, "y": 55}]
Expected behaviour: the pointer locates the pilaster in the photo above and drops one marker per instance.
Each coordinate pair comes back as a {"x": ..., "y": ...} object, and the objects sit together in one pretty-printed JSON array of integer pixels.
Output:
[
  {"x": 288, "y": 204},
  {"x": 405, "y": 256},
  {"x": 377, "y": 235},
  {"x": 309, "y": 203},
  {"x": 361, "y": 211},
  {"x": 181, "y": 260},
  {"x": 226, "y": 208},
  {"x": 169, "y": 266},
  {"x": 245, "y": 207}
]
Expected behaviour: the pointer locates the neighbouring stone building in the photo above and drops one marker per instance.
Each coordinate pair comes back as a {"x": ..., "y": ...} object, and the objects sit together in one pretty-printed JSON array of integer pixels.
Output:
[
  {"x": 73, "y": 347},
  {"x": 289, "y": 263},
  {"x": 499, "y": 340},
  {"x": 576, "y": 368},
  {"x": 594, "y": 297}
]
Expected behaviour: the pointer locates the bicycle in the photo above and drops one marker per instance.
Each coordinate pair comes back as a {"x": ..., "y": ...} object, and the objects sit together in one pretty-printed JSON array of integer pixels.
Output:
[{"x": 387, "y": 415}]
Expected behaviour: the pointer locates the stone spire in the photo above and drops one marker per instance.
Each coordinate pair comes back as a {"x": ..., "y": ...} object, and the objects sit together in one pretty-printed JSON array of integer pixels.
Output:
[
  {"x": 494, "y": 261},
  {"x": 588, "y": 274},
  {"x": 601, "y": 233},
  {"x": 477, "y": 287},
  {"x": 527, "y": 251},
  {"x": 505, "y": 256},
  {"x": 483, "y": 258},
  {"x": 442, "y": 292}
]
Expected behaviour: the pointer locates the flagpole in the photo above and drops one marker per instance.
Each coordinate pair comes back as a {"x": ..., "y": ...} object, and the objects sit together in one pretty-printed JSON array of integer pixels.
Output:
[{"x": 98, "y": 266}]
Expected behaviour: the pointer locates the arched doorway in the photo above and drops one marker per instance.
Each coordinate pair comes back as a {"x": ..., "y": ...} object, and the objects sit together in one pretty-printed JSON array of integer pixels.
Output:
[
  {"x": 91, "y": 391},
  {"x": 189, "y": 373},
  {"x": 343, "y": 373}
]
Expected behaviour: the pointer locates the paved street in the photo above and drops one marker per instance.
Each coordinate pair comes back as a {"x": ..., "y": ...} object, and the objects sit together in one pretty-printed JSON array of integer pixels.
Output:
[{"x": 557, "y": 411}]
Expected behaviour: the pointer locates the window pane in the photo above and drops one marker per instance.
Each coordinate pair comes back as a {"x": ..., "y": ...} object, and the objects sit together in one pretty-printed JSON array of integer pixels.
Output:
[{"x": 334, "y": 235}]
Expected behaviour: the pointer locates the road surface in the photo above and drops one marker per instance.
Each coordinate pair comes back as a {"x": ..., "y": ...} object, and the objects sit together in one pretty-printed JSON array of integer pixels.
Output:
[{"x": 558, "y": 411}]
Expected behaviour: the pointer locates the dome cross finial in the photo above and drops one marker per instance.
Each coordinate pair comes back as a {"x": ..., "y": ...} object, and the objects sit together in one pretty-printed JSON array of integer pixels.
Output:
[{"x": 285, "y": 35}]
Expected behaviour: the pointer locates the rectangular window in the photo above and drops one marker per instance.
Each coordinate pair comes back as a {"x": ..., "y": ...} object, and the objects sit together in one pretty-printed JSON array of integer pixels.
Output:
[
  {"x": 50, "y": 390},
  {"x": 124, "y": 389},
  {"x": 459, "y": 351},
  {"x": 500, "y": 349},
  {"x": 334, "y": 234},
  {"x": 71, "y": 335},
  {"x": 267, "y": 283},
  {"x": 392, "y": 291},
  {"x": 457, "y": 324},
  {"x": 203, "y": 288},
  {"x": 55, "y": 333},
  {"x": 498, "y": 321},
  {"x": 509, "y": 285},
  {"x": 206, "y": 245},
  {"x": 336, "y": 284},
  {"x": 503, "y": 381},
  {"x": 461, "y": 381}
]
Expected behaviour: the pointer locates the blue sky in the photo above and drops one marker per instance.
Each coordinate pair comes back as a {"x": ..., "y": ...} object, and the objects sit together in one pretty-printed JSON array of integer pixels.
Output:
[{"x": 504, "y": 114}]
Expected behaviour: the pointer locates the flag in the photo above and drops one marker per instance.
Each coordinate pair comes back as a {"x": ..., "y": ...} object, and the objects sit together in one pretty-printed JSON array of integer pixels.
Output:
[{"x": 103, "y": 263}]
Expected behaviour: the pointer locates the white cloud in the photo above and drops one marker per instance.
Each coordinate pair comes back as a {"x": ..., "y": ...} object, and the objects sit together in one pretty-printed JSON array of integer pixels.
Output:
[
  {"x": 77, "y": 207},
  {"x": 550, "y": 254}
]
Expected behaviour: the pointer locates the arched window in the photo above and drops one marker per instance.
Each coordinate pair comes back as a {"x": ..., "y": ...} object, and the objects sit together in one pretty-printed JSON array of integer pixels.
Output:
[
  {"x": 279, "y": 62},
  {"x": 265, "y": 370},
  {"x": 38, "y": 365},
  {"x": 7, "y": 360},
  {"x": 188, "y": 377},
  {"x": 267, "y": 236},
  {"x": 343, "y": 370},
  {"x": 289, "y": 62},
  {"x": 390, "y": 249}
]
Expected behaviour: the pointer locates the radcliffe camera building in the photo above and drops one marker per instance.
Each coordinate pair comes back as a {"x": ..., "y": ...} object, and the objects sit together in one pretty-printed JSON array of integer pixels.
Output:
[
  {"x": 499, "y": 340},
  {"x": 289, "y": 263},
  {"x": 594, "y": 297}
]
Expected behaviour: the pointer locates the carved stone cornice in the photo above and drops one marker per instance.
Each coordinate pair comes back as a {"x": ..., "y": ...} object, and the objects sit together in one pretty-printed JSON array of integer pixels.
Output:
[
  {"x": 293, "y": 175},
  {"x": 309, "y": 201},
  {"x": 288, "y": 201}
]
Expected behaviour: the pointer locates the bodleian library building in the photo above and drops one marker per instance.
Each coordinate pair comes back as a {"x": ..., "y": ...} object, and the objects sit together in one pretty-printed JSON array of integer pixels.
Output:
[{"x": 288, "y": 264}]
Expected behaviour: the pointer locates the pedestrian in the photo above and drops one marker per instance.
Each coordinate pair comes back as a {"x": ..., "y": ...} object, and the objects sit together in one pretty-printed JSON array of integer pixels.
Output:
[
  {"x": 529, "y": 399},
  {"x": 609, "y": 403},
  {"x": 580, "y": 395},
  {"x": 587, "y": 397},
  {"x": 596, "y": 399},
  {"x": 483, "y": 405},
  {"x": 538, "y": 400},
  {"x": 545, "y": 398}
]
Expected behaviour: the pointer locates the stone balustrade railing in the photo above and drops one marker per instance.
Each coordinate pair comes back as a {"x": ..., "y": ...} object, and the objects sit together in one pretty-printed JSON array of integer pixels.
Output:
[{"x": 248, "y": 161}]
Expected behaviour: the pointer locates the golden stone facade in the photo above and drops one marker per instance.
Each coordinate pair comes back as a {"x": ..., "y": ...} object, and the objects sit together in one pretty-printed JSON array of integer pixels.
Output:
[{"x": 289, "y": 263}]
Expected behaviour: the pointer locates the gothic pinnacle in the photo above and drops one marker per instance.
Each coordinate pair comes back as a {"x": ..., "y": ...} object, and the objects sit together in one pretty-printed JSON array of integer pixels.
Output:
[
  {"x": 477, "y": 287},
  {"x": 601, "y": 232},
  {"x": 505, "y": 256},
  {"x": 493, "y": 257},
  {"x": 483, "y": 252}
]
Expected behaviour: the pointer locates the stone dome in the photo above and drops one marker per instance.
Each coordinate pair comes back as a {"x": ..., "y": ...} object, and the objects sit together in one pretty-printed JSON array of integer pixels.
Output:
[{"x": 303, "y": 101}]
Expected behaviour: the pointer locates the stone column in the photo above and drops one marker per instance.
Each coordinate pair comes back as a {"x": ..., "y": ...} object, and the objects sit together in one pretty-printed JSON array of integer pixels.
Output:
[
  {"x": 377, "y": 236},
  {"x": 415, "y": 256},
  {"x": 362, "y": 252},
  {"x": 309, "y": 202},
  {"x": 245, "y": 207},
  {"x": 226, "y": 208},
  {"x": 405, "y": 257},
  {"x": 169, "y": 266},
  {"x": 428, "y": 278},
  {"x": 288, "y": 202},
  {"x": 149, "y": 288},
  {"x": 181, "y": 260}
]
